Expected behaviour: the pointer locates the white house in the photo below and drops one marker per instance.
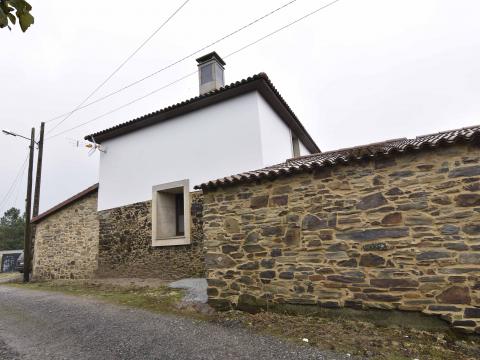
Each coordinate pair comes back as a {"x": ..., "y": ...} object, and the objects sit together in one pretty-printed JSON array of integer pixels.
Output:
[
  {"x": 147, "y": 220},
  {"x": 225, "y": 130}
]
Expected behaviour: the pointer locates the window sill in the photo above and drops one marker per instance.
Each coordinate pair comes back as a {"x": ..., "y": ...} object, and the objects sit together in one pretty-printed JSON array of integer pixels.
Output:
[{"x": 176, "y": 240}]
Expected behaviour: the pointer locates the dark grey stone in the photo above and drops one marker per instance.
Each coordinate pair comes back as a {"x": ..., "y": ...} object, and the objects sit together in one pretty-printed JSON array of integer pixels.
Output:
[
  {"x": 312, "y": 222},
  {"x": 374, "y": 234},
  {"x": 433, "y": 255},
  {"x": 371, "y": 201},
  {"x": 467, "y": 200},
  {"x": 286, "y": 275},
  {"x": 394, "y": 283},
  {"x": 253, "y": 248},
  {"x": 449, "y": 229},
  {"x": 465, "y": 171},
  {"x": 472, "y": 229},
  {"x": 371, "y": 260},
  {"x": 269, "y": 274},
  {"x": 472, "y": 313},
  {"x": 375, "y": 247},
  {"x": 251, "y": 265}
]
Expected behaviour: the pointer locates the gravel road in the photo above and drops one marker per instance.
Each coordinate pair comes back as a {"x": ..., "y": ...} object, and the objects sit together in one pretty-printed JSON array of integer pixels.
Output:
[{"x": 45, "y": 325}]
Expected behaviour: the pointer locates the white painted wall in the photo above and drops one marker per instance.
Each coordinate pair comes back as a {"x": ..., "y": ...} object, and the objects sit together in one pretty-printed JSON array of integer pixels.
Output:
[
  {"x": 217, "y": 141},
  {"x": 276, "y": 136},
  {"x": 303, "y": 149},
  {"x": 237, "y": 135}
]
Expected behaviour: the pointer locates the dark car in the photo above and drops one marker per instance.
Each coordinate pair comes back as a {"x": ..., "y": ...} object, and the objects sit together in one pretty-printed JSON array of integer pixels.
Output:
[{"x": 19, "y": 264}]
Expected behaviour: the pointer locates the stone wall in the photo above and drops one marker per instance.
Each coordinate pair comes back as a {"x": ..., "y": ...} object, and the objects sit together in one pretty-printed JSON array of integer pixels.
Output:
[
  {"x": 66, "y": 242},
  {"x": 126, "y": 244},
  {"x": 400, "y": 232}
]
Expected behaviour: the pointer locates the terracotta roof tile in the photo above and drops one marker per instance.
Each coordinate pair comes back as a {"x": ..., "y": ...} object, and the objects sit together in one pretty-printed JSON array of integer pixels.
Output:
[{"x": 331, "y": 158}]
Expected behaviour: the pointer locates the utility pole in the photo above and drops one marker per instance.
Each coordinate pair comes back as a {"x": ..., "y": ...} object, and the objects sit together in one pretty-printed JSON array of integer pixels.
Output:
[
  {"x": 28, "y": 208},
  {"x": 38, "y": 175},
  {"x": 36, "y": 193}
]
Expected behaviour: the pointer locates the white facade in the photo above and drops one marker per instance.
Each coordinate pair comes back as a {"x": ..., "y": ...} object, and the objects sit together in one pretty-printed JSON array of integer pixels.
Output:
[
  {"x": 303, "y": 149},
  {"x": 276, "y": 137},
  {"x": 230, "y": 137}
]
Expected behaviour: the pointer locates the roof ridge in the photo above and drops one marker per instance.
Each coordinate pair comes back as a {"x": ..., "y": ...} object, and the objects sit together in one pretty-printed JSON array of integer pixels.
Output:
[
  {"x": 446, "y": 131},
  {"x": 386, "y": 142}
]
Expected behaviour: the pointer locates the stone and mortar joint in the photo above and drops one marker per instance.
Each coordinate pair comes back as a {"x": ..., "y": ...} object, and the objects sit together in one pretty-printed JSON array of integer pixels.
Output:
[{"x": 400, "y": 232}]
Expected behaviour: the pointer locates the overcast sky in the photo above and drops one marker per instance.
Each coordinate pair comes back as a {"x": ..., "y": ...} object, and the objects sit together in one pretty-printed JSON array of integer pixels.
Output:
[{"x": 357, "y": 72}]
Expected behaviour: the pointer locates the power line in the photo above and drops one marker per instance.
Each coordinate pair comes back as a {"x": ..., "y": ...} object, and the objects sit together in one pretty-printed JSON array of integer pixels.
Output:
[
  {"x": 14, "y": 185},
  {"x": 123, "y": 106},
  {"x": 175, "y": 62},
  {"x": 283, "y": 27},
  {"x": 19, "y": 186},
  {"x": 120, "y": 66},
  {"x": 190, "y": 74}
]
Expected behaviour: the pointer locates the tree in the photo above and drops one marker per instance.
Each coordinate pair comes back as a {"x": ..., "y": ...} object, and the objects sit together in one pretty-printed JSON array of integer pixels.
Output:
[
  {"x": 12, "y": 229},
  {"x": 13, "y": 10}
]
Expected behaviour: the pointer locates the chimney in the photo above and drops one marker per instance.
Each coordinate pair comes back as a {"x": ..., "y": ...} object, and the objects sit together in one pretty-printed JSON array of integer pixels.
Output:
[{"x": 210, "y": 72}]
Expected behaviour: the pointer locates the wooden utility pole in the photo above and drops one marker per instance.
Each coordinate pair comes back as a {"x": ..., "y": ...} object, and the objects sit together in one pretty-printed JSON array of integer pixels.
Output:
[
  {"x": 36, "y": 193},
  {"x": 28, "y": 208},
  {"x": 38, "y": 175}
]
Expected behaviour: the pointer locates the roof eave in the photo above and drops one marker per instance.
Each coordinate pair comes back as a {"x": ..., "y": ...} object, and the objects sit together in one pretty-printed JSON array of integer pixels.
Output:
[
  {"x": 260, "y": 83},
  {"x": 65, "y": 203}
]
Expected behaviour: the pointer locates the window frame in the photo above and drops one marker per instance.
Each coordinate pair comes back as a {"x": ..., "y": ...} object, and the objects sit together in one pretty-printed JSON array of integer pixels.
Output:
[{"x": 158, "y": 192}]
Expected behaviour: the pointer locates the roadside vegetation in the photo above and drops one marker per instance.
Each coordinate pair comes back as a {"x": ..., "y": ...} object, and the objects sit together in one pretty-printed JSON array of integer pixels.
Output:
[
  {"x": 12, "y": 227},
  {"x": 364, "y": 335}
]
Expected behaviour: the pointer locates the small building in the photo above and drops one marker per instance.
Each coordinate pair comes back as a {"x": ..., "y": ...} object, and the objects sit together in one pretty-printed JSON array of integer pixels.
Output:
[{"x": 8, "y": 260}]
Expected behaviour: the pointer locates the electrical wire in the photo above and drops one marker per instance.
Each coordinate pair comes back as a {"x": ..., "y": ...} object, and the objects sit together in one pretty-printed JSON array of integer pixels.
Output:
[
  {"x": 122, "y": 106},
  {"x": 120, "y": 66},
  {"x": 175, "y": 62},
  {"x": 283, "y": 27},
  {"x": 190, "y": 74},
  {"x": 14, "y": 184},
  {"x": 19, "y": 187}
]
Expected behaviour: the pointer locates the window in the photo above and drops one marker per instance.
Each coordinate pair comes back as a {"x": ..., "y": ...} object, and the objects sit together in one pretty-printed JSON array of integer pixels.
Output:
[
  {"x": 179, "y": 216},
  {"x": 170, "y": 215}
]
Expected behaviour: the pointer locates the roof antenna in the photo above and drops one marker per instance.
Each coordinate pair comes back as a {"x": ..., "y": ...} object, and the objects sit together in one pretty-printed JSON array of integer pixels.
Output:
[{"x": 93, "y": 146}]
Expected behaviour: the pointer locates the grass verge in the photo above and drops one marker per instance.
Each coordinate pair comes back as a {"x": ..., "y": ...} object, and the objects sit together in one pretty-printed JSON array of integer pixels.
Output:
[{"x": 159, "y": 299}]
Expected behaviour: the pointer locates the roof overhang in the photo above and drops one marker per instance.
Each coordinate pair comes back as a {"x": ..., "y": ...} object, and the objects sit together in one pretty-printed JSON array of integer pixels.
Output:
[{"x": 259, "y": 83}]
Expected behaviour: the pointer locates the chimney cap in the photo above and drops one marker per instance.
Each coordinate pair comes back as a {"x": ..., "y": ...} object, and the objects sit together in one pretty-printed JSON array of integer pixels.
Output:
[{"x": 211, "y": 56}]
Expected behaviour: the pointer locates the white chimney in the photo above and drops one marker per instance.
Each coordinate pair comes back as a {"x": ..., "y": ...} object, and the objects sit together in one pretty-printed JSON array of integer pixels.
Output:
[{"x": 210, "y": 72}]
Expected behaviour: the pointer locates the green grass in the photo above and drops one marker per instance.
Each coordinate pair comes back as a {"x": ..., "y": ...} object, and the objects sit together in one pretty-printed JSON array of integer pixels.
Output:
[{"x": 161, "y": 299}]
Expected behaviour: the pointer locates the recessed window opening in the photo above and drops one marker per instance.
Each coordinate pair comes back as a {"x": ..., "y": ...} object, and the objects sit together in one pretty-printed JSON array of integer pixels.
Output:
[
  {"x": 170, "y": 215},
  {"x": 179, "y": 218}
]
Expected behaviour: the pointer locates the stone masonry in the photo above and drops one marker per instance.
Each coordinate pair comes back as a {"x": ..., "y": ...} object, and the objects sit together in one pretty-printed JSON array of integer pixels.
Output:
[
  {"x": 401, "y": 232},
  {"x": 66, "y": 242},
  {"x": 126, "y": 244}
]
